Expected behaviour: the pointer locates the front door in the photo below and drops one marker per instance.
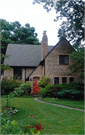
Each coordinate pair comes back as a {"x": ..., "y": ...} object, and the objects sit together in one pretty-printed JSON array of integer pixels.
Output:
[{"x": 36, "y": 88}]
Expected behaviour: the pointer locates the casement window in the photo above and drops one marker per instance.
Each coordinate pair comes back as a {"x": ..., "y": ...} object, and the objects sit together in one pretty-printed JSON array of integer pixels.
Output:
[
  {"x": 18, "y": 73},
  {"x": 63, "y": 59},
  {"x": 56, "y": 80},
  {"x": 71, "y": 79},
  {"x": 64, "y": 80}
]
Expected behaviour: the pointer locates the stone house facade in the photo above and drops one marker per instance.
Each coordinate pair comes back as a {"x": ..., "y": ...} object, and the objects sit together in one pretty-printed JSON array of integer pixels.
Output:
[{"x": 36, "y": 61}]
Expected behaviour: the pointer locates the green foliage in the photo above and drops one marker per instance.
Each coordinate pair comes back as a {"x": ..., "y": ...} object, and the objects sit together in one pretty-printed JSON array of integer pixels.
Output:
[
  {"x": 8, "y": 85},
  {"x": 3, "y": 66},
  {"x": 24, "y": 87},
  {"x": 17, "y": 92},
  {"x": 46, "y": 91},
  {"x": 44, "y": 80},
  {"x": 73, "y": 85},
  {"x": 77, "y": 65},
  {"x": 73, "y": 11},
  {"x": 71, "y": 94},
  {"x": 14, "y": 33},
  {"x": 51, "y": 90},
  {"x": 11, "y": 127}
]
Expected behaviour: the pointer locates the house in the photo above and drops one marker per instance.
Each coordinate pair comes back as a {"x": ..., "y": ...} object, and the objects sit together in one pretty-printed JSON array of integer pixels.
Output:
[{"x": 30, "y": 62}]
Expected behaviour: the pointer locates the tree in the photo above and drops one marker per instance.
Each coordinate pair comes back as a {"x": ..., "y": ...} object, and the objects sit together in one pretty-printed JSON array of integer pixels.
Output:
[
  {"x": 77, "y": 65},
  {"x": 14, "y": 33},
  {"x": 3, "y": 66},
  {"x": 73, "y": 11}
]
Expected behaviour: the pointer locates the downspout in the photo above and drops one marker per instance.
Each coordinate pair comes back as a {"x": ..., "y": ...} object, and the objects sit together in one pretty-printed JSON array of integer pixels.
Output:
[
  {"x": 25, "y": 75},
  {"x": 44, "y": 68}
]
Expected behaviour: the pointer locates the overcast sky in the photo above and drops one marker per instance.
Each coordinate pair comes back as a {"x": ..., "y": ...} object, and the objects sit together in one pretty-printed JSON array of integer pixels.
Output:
[{"x": 25, "y": 12}]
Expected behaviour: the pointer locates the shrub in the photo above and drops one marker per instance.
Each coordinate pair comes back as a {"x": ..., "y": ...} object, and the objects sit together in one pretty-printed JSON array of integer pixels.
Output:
[
  {"x": 44, "y": 80},
  {"x": 73, "y": 85},
  {"x": 8, "y": 85},
  {"x": 46, "y": 91},
  {"x": 71, "y": 94},
  {"x": 63, "y": 90},
  {"x": 24, "y": 87}
]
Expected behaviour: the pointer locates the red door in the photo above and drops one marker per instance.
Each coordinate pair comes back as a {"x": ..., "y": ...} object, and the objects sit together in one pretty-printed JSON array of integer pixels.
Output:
[{"x": 36, "y": 88}]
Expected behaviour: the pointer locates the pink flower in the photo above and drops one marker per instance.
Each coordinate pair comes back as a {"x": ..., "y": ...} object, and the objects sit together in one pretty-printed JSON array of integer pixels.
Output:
[{"x": 32, "y": 116}]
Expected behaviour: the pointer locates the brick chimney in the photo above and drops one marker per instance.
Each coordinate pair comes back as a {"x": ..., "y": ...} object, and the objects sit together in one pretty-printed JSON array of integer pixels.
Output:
[{"x": 44, "y": 45}]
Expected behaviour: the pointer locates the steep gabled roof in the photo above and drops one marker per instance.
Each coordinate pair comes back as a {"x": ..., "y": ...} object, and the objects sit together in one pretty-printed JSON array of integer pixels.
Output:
[{"x": 24, "y": 55}]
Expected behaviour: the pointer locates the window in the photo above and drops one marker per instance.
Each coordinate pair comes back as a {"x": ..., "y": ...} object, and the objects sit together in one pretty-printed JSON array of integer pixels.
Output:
[
  {"x": 63, "y": 59},
  {"x": 18, "y": 73},
  {"x": 64, "y": 80},
  {"x": 56, "y": 80},
  {"x": 71, "y": 79}
]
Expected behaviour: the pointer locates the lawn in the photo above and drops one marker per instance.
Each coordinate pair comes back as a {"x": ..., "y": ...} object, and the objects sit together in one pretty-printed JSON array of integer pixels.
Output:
[
  {"x": 55, "y": 120},
  {"x": 65, "y": 102}
]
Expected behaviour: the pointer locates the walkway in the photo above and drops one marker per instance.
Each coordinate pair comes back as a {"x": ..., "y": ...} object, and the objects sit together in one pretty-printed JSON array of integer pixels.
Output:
[{"x": 36, "y": 98}]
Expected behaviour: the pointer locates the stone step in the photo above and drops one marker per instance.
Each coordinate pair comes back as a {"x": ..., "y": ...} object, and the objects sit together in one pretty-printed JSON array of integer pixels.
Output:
[{"x": 35, "y": 94}]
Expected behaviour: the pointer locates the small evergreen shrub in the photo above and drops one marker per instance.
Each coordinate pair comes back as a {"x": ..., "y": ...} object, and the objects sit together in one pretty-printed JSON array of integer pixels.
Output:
[
  {"x": 70, "y": 94},
  {"x": 44, "y": 80}
]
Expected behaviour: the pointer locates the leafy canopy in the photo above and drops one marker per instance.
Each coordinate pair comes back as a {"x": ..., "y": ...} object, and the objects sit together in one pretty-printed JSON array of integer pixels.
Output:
[{"x": 73, "y": 10}]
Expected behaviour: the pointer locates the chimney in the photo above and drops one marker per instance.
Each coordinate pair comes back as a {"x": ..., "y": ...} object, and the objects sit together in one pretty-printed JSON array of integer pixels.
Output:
[{"x": 44, "y": 45}]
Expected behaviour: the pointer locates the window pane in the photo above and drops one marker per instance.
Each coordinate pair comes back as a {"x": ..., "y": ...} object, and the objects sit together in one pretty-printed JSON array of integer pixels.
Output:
[
  {"x": 71, "y": 79},
  {"x": 18, "y": 73},
  {"x": 60, "y": 59},
  {"x": 63, "y": 59},
  {"x": 64, "y": 80},
  {"x": 66, "y": 59},
  {"x": 56, "y": 80}
]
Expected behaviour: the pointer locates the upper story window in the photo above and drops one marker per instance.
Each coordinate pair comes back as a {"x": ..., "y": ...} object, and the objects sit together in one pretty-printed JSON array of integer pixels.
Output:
[
  {"x": 63, "y": 59},
  {"x": 18, "y": 73}
]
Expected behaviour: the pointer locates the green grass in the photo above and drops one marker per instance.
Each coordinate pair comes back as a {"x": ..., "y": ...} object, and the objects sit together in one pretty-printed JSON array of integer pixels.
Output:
[
  {"x": 55, "y": 120},
  {"x": 65, "y": 102}
]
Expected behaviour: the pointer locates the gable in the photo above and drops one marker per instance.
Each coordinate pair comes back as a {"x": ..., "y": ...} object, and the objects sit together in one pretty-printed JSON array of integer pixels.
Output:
[{"x": 62, "y": 47}]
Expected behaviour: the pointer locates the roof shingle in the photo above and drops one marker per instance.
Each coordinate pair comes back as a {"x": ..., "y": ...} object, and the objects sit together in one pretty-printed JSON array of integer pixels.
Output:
[{"x": 24, "y": 55}]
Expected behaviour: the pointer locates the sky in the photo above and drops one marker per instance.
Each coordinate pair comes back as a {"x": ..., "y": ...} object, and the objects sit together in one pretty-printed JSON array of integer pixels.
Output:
[{"x": 25, "y": 12}]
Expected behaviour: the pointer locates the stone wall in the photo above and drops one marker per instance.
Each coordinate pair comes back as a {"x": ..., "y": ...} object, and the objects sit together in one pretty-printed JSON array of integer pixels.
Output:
[
  {"x": 52, "y": 66},
  {"x": 8, "y": 73}
]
